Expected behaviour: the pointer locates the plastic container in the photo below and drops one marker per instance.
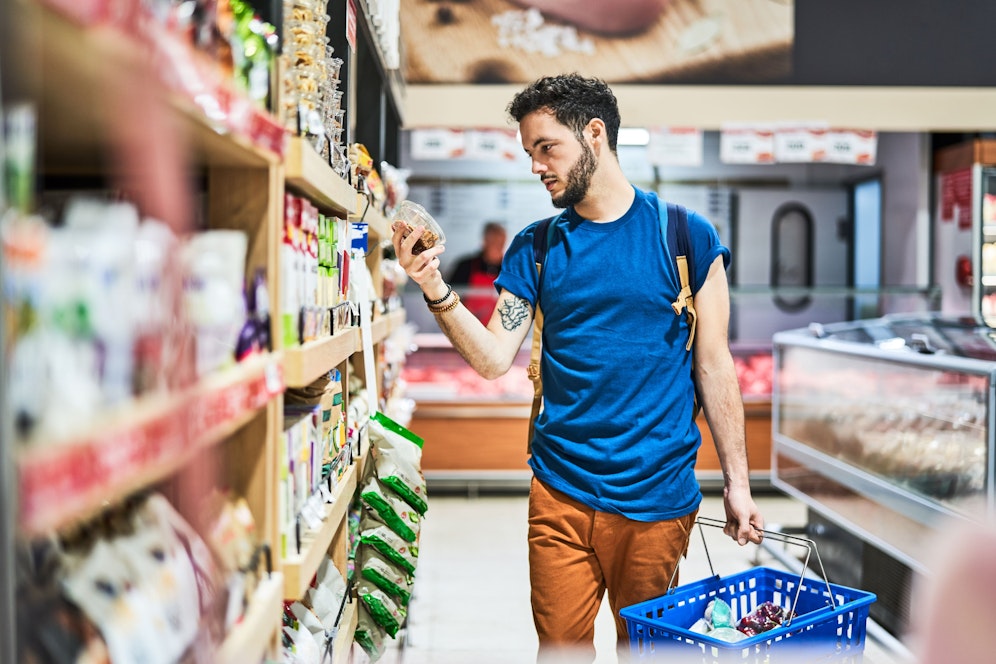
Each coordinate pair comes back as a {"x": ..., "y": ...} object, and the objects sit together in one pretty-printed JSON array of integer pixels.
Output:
[
  {"x": 415, "y": 215},
  {"x": 828, "y": 622}
]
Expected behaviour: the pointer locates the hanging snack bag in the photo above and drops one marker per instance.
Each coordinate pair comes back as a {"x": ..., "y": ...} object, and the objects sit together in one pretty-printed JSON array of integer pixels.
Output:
[
  {"x": 391, "y": 509},
  {"x": 387, "y": 434},
  {"x": 369, "y": 634},
  {"x": 384, "y": 610},
  {"x": 398, "y": 454},
  {"x": 390, "y": 545},
  {"x": 386, "y": 576},
  {"x": 407, "y": 484}
]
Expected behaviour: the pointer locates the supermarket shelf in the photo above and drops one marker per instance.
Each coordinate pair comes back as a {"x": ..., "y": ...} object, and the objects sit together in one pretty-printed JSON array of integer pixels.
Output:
[
  {"x": 383, "y": 326},
  {"x": 394, "y": 82},
  {"x": 250, "y": 639},
  {"x": 301, "y": 568},
  {"x": 62, "y": 482},
  {"x": 80, "y": 74},
  {"x": 378, "y": 225},
  {"x": 343, "y": 643},
  {"x": 312, "y": 176},
  {"x": 305, "y": 364}
]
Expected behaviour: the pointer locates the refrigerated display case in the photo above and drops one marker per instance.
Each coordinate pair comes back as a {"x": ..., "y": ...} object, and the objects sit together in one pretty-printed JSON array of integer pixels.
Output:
[
  {"x": 476, "y": 428},
  {"x": 885, "y": 426}
]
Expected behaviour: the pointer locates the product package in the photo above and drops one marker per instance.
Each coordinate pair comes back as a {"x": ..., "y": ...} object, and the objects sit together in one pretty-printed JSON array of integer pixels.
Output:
[
  {"x": 369, "y": 634},
  {"x": 389, "y": 544},
  {"x": 384, "y": 610},
  {"x": 386, "y": 575},
  {"x": 398, "y": 458},
  {"x": 391, "y": 509}
]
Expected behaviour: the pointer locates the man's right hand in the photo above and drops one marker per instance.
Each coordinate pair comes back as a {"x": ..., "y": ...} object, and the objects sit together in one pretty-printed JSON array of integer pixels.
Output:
[{"x": 422, "y": 268}]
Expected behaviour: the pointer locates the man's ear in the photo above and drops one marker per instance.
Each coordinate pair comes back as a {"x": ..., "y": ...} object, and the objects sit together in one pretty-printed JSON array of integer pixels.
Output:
[{"x": 596, "y": 132}]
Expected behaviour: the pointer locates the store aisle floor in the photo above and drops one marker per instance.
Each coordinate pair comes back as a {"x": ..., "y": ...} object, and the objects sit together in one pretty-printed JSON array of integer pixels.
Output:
[{"x": 471, "y": 596}]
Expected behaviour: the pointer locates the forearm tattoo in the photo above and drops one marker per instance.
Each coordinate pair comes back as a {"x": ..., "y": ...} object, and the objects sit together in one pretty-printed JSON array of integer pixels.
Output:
[{"x": 514, "y": 312}]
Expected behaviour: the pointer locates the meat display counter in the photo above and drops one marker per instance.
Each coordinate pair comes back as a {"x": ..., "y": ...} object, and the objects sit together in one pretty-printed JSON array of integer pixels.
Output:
[
  {"x": 475, "y": 429},
  {"x": 884, "y": 428}
]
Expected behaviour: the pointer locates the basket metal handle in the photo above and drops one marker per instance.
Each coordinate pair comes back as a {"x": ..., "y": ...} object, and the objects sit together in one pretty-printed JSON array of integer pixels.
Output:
[{"x": 784, "y": 538}]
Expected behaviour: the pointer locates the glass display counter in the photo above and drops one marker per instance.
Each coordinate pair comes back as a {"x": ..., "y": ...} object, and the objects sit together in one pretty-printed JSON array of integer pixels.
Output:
[
  {"x": 886, "y": 426},
  {"x": 476, "y": 428}
]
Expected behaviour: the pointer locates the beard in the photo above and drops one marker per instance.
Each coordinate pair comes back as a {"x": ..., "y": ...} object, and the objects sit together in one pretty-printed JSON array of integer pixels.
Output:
[{"x": 578, "y": 179}]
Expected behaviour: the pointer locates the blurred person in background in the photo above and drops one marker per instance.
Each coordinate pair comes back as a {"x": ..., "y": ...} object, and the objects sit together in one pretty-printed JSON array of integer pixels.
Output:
[
  {"x": 614, "y": 494},
  {"x": 476, "y": 273}
]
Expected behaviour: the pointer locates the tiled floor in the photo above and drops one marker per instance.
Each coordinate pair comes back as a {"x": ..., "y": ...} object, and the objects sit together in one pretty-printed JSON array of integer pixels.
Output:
[{"x": 471, "y": 596}]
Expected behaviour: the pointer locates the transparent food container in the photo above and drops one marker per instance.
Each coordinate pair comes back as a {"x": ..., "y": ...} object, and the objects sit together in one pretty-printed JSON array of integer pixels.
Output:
[{"x": 414, "y": 215}]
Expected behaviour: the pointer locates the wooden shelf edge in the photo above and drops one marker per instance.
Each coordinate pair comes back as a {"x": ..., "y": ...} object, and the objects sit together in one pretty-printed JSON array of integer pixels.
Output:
[
  {"x": 378, "y": 226},
  {"x": 76, "y": 51},
  {"x": 301, "y": 568},
  {"x": 307, "y": 173},
  {"x": 304, "y": 364},
  {"x": 248, "y": 641},
  {"x": 64, "y": 482},
  {"x": 343, "y": 644},
  {"x": 386, "y": 324}
]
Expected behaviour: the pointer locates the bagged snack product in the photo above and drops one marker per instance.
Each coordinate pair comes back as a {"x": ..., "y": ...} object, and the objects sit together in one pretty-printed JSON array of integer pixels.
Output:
[
  {"x": 391, "y": 509},
  {"x": 390, "y": 545},
  {"x": 406, "y": 483},
  {"x": 369, "y": 634},
  {"x": 398, "y": 454},
  {"x": 382, "y": 608},
  {"x": 386, "y": 576}
]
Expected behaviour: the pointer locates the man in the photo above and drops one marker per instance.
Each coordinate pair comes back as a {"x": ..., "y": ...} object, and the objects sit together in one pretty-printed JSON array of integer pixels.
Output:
[
  {"x": 614, "y": 494},
  {"x": 477, "y": 273}
]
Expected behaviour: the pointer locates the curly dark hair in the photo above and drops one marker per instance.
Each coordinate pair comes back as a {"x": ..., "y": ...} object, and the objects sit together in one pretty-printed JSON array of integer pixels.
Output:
[{"x": 574, "y": 101}]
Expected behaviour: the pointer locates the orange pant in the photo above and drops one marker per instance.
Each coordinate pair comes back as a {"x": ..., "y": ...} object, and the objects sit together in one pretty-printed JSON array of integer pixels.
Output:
[{"x": 576, "y": 554}]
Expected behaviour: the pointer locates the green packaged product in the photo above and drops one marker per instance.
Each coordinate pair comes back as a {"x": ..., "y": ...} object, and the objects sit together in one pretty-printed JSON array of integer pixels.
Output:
[
  {"x": 392, "y": 510},
  {"x": 386, "y": 575},
  {"x": 369, "y": 634},
  {"x": 408, "y": 484},
  {"x": 398, "y": 458},
  {"x": 383, "y": 609},
  {"x": 390, "y": 545}
]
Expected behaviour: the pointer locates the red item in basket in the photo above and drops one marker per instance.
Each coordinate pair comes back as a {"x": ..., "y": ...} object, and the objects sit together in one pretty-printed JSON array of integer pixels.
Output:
[{"x": 765, "y": 617}]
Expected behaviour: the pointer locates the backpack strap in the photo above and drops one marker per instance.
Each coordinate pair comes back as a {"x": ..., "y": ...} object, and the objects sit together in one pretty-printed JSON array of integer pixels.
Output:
[
  {"x": 677, "y": 235},
  {"x": 542, "y": 238}
]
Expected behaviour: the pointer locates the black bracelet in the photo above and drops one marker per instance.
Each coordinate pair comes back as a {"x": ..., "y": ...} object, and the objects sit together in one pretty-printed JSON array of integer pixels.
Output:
[{"x": 431, "y": 303}]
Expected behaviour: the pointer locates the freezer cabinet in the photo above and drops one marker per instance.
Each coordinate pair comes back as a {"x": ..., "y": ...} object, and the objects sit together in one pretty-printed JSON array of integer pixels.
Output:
[{"x": 886, "y": 426}]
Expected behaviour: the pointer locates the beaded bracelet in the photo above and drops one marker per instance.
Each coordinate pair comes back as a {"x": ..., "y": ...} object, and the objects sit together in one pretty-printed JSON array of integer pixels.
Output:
[
  {"x": 435, "y": 309},
  {"x": 432, "y": 303}
]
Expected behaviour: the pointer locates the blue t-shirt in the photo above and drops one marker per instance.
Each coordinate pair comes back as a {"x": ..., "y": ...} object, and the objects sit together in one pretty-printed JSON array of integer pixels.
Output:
[{"x": 616, "y": 431}]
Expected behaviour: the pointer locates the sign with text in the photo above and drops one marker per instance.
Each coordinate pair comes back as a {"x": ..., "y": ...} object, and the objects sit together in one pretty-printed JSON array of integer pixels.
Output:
[
  {"x": 747, "y": 144},
  {"x": 800, "y": 142},
  {"x": 675, "y": 146}
]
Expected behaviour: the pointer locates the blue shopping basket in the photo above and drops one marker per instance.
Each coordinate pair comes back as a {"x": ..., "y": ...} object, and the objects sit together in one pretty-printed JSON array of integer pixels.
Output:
[{"x": 827, "y": 624}]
